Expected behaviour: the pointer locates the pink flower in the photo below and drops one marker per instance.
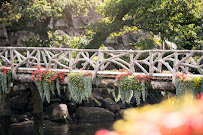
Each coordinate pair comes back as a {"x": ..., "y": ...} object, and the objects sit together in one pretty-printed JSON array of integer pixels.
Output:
[
  {"x": 102, "y": 132},
  {"x": 200, "y": 96}
]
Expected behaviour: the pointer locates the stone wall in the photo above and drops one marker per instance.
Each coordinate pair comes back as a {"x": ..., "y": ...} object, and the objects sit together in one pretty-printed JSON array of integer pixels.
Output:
[
  {"x": 71, "y": 25},
  {"x": 101, "y": 106}
]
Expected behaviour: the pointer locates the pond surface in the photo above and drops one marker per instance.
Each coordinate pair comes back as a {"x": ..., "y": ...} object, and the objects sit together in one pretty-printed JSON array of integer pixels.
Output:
[{"x": 71, "y": 129}]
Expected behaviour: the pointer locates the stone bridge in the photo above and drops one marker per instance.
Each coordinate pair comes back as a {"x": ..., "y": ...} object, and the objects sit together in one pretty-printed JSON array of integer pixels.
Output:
[{"x": 156, "y": 63}]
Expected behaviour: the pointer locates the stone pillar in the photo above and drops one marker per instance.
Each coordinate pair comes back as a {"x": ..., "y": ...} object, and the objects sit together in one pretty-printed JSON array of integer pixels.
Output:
[
  {"x": 5, "y": 114},
  {"x": 37, "y": 112}
]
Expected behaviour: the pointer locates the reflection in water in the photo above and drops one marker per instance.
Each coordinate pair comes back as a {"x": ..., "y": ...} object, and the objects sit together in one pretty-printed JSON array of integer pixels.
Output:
[{"x": 73, "y": 129}]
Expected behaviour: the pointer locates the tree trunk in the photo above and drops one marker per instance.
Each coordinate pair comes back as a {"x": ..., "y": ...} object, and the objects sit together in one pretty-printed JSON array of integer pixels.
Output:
[
  {"x": 5, "y": 114},
  {"x": 37, "y": 112}
]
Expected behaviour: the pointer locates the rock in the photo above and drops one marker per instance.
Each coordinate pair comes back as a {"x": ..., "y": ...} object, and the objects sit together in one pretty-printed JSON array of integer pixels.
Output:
[
  {"x": 58, "y": 112},
  {"x": 4, "y": 42},
  {"x": 95, "y": 102},
  {"x": 88, "y": 104},
  {"x": 24, "y": 124},
  {"x": 119, "y": 114},
  {"x": 109, "y": 104},
  {"x": 16, "y": 38},
  {"x": 72, "y": 107},
  {"x": 19, "y": 102},
  {"x": 3, "y": 32},
  {"x": 93, "y": 114},
  {"x": 22, "y": 118},
  {"x": 97, "y": 96},
  {"x": 61, "y": 23},
  {"x": 121, "y": 105}
]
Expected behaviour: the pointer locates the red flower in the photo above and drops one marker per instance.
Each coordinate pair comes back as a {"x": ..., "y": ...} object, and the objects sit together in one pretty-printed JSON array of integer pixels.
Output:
[
  {"x": 102, "y": 132},
  {"x": 181, "y": 75},
  {"x": 200, "y": 97},
  {"x": 4, "y": 70}
]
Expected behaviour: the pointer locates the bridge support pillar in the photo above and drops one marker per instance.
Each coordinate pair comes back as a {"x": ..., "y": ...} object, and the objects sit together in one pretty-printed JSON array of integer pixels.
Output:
[
  {"x": 5, "y": 114},
  {"x": 37, "y": 112}
]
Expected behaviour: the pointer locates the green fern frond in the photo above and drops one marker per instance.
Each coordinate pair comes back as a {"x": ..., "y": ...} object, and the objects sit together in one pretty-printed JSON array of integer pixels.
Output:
[
  {"x": 179, "y": 88},
  {"x": 46, "y": 91},
  {"x": 58, "y": 87},
  {"x": 80, "y": 87},
  {"x": 116, "y": 94},
  {"x": 144, "y": 91},
  {"x": 39, "y": 87},
  {"x": 137, "y": 95}
]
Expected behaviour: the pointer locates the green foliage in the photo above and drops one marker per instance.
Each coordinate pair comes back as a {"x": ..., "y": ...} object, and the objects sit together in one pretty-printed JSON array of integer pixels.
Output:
[
  {"x": 5, "y": 81},
  {"x": 146, "y": 44},
  {"x": 35, "y": 16},
  {"x": 179, "y": 21},
  {"x": 191, "y": 85},
  {"x": 39, "y": 10},
  {"x": 129, "y": 86},
  {"x": 46, "y": 82},
  {"x": 80, "y": 86},
  {"x": 56, "y": 40}
]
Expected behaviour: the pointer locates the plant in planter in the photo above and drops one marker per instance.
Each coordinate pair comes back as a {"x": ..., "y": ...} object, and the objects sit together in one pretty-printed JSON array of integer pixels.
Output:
[
  {"x": 186, "y": 84},
  {"x": 80, "y": 86},
  {"x": 5, "y": 80},
  {"x": 129, "y": 86},
  {"x": 46, "y": 81}
]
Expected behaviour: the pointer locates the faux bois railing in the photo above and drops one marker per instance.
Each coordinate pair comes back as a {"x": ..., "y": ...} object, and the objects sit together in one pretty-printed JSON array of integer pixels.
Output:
[{"x": 99, "y": 61}]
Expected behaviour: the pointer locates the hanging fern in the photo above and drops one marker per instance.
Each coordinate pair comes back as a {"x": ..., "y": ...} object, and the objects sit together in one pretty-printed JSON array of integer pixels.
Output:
[
  {"x": 39, "y": 87},
  {"x": 58, "y": 87},
  {"x": 129, "y": 86},
  {"x": 46, "y": 93},
  {"x": 144, "y": 90},
  {"x": 116, "y": 94},
  {"x": 179, "y": 88},
  {"x": 137, "y": 95},
  {"x": 46, "y": 82},
  {"x": 186, "y": 84},
  {"x": 201, "y": 85},
  {"x": 5, "y": 80},
  {"x": 80, "y": 86}
]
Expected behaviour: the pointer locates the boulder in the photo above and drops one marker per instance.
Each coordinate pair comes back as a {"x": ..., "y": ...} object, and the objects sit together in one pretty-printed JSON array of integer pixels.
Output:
[
  {"x": 61, "y": 23},
  {"x": 109, "y": 104},
  {"x": 93, "y": 114},
  {"x": 58, "y": 112},
  {"x": 119, "y": 114},
  {"x": 72, "y": 107},
  {"x": 19, "y": 102}
]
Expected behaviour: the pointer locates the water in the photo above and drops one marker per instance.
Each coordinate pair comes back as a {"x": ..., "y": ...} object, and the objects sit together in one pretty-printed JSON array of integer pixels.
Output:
[{"x": 71, "y": 129}]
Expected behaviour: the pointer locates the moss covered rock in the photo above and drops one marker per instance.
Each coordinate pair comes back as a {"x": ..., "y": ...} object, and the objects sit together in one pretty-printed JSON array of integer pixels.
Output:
[{"x": 93, "y": 114}]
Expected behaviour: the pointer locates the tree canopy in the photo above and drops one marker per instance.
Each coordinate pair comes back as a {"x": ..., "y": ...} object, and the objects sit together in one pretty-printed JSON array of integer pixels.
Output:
[
  {"x": 176, "y": 20},
  {"x": 38, "y": 13},
  {"x": 179, "y": 21}
]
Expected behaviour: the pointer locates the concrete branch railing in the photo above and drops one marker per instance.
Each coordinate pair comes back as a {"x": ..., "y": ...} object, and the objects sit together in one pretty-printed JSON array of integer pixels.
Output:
[{"x": 68, "y": 60}]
